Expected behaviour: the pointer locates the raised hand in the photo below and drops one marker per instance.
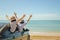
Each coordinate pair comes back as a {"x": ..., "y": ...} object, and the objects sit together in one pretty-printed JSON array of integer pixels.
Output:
[
  {"x": 20, "y": 19},
  {"x": 6, "y": 15},
  {"x": 29, "y": 18},
  {"x": 24, "y": 15},
  {"x": 30, "y": 15},
  {"x": 15, "y": 14}
]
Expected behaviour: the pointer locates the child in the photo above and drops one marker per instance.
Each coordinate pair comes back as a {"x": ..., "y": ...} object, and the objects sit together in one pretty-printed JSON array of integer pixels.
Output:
[{"x": 23, "y": 23}]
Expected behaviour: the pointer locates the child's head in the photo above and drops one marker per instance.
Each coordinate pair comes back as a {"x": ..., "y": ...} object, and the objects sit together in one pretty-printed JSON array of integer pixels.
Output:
[{"x": 22, "y": 22}]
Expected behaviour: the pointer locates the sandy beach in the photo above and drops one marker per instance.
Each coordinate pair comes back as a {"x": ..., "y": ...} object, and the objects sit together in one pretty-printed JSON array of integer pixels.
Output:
[
  {"x": 35, "y": 37},
  {"x": 44, "y": 36}
]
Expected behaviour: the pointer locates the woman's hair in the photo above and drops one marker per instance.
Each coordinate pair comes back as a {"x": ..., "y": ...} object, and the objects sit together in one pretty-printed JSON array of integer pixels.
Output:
[
  {"x": 22, "y": 22},
  {"x": 13, "y": 20}
]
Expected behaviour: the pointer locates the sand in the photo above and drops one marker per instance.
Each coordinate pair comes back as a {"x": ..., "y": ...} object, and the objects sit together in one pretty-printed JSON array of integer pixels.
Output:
[
  {"x": 45, "y": 37},
  {"x": 35, "y": 37}
]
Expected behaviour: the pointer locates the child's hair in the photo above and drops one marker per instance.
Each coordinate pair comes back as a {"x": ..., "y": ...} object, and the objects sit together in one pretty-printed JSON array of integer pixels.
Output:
[{"x": 22, "y": 22}]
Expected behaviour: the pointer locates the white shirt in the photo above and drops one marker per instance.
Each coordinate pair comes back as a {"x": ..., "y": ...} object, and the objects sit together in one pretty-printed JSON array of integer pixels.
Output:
[
  {"x": 13, "y": 26},
  {"x": 21, "y": 26}
]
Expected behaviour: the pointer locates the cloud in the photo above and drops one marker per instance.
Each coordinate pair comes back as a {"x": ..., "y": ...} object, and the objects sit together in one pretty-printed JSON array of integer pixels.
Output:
[{"x": 50, "y": 16}]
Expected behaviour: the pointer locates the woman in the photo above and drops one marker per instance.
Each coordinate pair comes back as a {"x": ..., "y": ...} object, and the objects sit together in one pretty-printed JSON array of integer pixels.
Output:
[{"x": 13, "y": 22}]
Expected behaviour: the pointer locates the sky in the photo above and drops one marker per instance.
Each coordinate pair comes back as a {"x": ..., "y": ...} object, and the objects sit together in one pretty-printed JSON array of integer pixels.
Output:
[{"x": 40, "y": 9}]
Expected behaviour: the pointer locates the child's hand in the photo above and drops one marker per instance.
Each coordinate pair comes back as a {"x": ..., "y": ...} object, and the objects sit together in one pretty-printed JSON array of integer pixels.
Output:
[
  {"x": 30, "y": 15},
  {"x": 24, "y": 15}
]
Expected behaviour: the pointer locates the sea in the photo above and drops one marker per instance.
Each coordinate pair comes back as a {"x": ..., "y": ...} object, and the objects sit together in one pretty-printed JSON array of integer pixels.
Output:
[{"x": 40, "y": 25}]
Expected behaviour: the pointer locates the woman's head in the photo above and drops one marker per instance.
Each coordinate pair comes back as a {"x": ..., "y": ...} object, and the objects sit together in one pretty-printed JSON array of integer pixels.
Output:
[{"x": 13, "y": 19}]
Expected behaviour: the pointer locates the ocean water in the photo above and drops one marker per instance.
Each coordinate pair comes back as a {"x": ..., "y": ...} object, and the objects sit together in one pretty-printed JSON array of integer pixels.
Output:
[
  {"x": 44, "y": 25},
  {"x": 40, "y": 25}
]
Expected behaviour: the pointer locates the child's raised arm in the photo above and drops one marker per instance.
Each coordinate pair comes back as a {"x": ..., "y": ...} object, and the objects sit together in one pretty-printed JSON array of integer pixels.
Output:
[
  {"x": 19, "y": 20},
  {"x": 29, "y": 18}
]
